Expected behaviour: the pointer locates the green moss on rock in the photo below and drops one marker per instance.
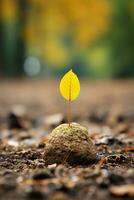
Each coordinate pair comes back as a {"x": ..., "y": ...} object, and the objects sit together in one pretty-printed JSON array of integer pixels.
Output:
[{"x": 70, "y": 144}]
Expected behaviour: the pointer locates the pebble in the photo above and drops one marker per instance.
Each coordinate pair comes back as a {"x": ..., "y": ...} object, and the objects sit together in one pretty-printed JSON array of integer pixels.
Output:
[
  {"x": 33, "y": 193},
  {"x": 40, "y": 175}
]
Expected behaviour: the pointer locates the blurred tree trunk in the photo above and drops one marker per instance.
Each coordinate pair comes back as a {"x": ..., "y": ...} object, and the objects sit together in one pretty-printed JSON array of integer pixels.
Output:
[
  {"x": 21, "y": 41},
  {"x": 12, "y": 43},
  {"x": 122, "y": 38},
  {"x": 1, "y": 51}
]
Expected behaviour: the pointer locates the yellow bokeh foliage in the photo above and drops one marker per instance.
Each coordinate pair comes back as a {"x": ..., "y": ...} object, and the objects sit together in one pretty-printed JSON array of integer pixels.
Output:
[{"x": 84, "y": 21}]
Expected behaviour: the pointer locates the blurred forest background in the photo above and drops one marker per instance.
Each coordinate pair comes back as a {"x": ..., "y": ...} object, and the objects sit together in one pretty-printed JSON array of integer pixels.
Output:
[{"x": 43, "y": 38}]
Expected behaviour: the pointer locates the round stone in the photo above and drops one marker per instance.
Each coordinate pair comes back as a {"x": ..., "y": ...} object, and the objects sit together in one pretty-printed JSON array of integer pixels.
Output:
[{"x": 70, "y": 144}]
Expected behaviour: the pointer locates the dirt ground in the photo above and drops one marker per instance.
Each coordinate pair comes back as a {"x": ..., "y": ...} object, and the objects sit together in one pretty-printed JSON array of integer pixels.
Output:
[{"x": 30, "y": 109}]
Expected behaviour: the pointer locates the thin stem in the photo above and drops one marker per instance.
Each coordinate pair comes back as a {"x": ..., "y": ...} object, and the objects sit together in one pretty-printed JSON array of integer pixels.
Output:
[
  {"x": 69, "y": 112},
  {"x": 69, "y": 103}
]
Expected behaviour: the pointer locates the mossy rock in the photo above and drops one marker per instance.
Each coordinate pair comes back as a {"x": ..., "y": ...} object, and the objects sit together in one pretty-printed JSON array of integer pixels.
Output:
[{"x": 70, "y": 144}]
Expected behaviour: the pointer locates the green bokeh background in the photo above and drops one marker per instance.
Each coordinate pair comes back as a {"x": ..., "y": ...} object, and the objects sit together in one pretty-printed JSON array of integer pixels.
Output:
[{"x": 109, "y": 56}]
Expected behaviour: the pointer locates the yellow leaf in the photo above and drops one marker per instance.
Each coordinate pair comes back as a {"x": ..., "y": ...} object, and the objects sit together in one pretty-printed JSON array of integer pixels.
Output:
[{"x": 70, "y": 86}]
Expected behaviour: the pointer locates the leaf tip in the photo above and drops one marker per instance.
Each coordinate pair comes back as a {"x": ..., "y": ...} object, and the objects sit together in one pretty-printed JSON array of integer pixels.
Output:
[{"x": 70, "y": 70}]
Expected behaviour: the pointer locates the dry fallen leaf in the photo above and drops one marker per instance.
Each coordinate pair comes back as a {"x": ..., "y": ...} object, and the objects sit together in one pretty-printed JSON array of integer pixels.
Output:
[
  {"x": 44, "y": 140},
  {"x": 127, "y": 149},
  {"x": 122, "y": 190},
  {"x": 103, "y": 161}
]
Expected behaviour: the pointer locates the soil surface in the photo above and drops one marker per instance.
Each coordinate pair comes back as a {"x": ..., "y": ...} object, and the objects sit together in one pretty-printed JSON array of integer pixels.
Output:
[{"x": 31, "y": 109}]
